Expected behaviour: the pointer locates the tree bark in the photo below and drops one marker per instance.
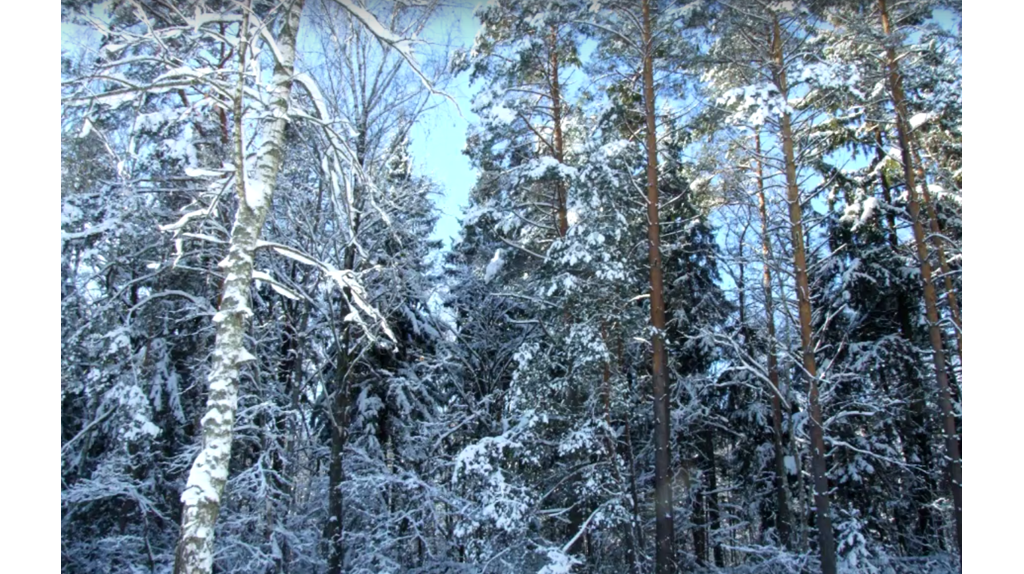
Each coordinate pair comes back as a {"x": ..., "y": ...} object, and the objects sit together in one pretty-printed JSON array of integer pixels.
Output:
[
  {"x": 826, "y": 538},
  {"x": 707, "y": 447},
  {"x": 334, "y": 532},
  {"x": 556, "y": 116},
  {"x": 699, "y": 519},
  {"x": 940, "y": 251},
  {"x": 665, "y": 561},
  {"x": 782, "y": 513},
  {"x": 209, "y": 473},
  {"x": 930, "y": 300},
  {"x": 636, "y": 530}
]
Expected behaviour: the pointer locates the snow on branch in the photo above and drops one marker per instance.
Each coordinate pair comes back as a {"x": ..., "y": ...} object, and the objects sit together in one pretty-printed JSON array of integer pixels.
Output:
[
  {"x": 346, "y": 280},
  {"x": 402, "y": 45}
]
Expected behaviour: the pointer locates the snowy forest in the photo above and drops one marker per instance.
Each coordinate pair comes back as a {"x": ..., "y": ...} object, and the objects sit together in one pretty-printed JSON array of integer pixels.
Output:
[{"x": 701, "y": 311}]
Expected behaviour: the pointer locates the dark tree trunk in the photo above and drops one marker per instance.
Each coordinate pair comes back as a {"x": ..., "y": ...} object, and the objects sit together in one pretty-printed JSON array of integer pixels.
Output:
[
  {"x": 707, "y": 448},
  {"x": 700, "y": 527},
  {"x": 334, "y": 533}
]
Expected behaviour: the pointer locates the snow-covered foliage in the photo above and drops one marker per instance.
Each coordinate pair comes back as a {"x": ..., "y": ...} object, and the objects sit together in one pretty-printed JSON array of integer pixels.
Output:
[{"x": 259, "y": 335}]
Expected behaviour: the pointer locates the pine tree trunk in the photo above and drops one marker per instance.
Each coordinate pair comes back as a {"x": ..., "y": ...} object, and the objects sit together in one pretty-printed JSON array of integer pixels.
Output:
[
  {"x": 940, "y": 251},
  {"x": 826, "y": 538},
  {"x": 782, "y": 513},
  {"x": 209, "y": 473},
  {"x": 561, "y": 211},
  {"x": 930, "y": 298},
  {"x": 665, "y": 560}
]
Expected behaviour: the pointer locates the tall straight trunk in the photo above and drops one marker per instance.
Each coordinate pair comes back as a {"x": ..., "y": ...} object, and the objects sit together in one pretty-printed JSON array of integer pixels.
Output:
[
  {"x": 578, "y": 513},
  {"x": 561, "y": 212},
  {"x": 335, "y": 529},
  {"x": 782, "y": 514},
  {"x": 940, "y": 251},
  {"x": 289, "y": 372},
  {"x": 699, "y": 518},
  {"x": 930, "y": 300},
  {"x": 707, "y": 448},
  {"x": 209, "y": 473},
  {"x": 636, "y": 530},
  {"x": 664, "y": 560},
  {"x": 826, "y": 538},
  {"x": 611, "y": 441}
]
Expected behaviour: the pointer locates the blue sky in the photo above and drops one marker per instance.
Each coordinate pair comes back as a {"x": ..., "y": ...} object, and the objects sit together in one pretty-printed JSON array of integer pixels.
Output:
[{"x": 438, "y": 139}]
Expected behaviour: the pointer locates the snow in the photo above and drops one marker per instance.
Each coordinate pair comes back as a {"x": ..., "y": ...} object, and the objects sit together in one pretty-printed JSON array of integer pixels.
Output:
[
  {"x": 869, "y": 204},
  {"x": 289, "y": 253},
  {"x": 117, "y": 99},
  {"x": 346, "y": 279},
  {"x": 86, "y": 128},
  {"x": 700, "y": 183},
  {"x": 502, "y": 115},
  {"x": 560, "y": 562},
  {"x": 154, "y": 121},
  {"x": 198, "y": 172},
  {"x": 184, "y": 71},
  {"x": 89, "y": 230},
  {"x": 572, "y": 216},
  {"x": 264, "y": 277},
  {"x": 790, "y": 464},
  {"x": 542, "y": 166},
  {"x": 754, "y": 104},
  {"x": 209, "y": 17},
  {"x": 782, "y": 6},
  {"x": 255, "y": 194},
  {"x": 494, "y": 266},
  {"x": 314, "y": 91},
  {"x": 448, "y": 404},
  {"x": 475, "y": 212},
  {"x": 201, "y": 477},
  {"x": 244, "y": 356},
  {"x": 182, "y": 148},
  {"x": 920, "y": 119},
  {"x": 859, "y": 213},
  {"x": 370, "y": 21}
]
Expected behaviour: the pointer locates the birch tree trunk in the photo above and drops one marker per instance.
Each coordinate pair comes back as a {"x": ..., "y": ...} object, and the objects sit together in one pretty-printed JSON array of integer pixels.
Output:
[{"x": 209, "y": 473}]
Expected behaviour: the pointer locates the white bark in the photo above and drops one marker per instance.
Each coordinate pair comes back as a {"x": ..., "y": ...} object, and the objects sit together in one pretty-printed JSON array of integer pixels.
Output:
[{"x": 201, "y": 498}]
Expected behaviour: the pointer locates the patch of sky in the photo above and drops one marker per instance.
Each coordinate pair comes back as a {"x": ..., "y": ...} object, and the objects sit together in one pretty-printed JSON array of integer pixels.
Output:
[{"x": 437, "y": 140}]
